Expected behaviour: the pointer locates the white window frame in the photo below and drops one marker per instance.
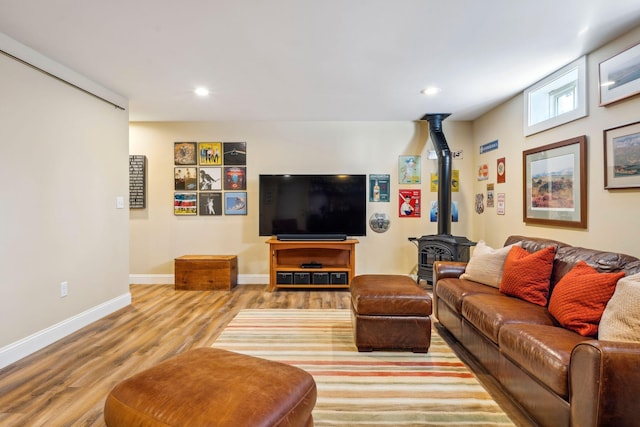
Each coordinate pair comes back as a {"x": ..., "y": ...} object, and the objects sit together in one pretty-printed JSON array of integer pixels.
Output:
[{"x": 546, "y": 87}]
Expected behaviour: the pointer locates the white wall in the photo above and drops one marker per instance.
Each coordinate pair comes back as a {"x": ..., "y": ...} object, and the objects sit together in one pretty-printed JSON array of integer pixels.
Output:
[
  {"x": 613, "y": 219},
  {"x": 157, "y": 236},
  {"x": 65, "y": 159}
]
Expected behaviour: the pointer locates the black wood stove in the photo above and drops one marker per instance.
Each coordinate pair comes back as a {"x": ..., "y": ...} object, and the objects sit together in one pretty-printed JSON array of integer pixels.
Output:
[{"x": 442, "y": 246}]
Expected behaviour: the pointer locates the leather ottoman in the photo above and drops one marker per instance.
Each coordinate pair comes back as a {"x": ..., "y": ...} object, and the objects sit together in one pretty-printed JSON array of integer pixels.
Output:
[
  {"x": 214, "y": 387},
  {"x": 390, "y": 312}
]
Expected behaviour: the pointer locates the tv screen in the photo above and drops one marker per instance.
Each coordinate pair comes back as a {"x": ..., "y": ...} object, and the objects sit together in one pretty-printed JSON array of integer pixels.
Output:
[{"x": 313, "y": 206}]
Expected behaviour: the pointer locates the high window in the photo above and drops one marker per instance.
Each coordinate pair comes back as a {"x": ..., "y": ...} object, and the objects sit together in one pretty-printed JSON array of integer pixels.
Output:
[{"x": 557, "y": 99}]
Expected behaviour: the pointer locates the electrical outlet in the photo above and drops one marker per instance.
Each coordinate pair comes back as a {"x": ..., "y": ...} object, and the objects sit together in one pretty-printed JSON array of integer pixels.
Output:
[{"x": 64, "y": 289}]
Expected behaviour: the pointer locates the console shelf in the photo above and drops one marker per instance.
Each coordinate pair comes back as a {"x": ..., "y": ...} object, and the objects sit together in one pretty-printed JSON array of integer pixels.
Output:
[{"x": 337, "y": 259}]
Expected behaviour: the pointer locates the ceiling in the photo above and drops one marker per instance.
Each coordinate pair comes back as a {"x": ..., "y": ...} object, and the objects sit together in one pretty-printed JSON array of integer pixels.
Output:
[{"x": 314, "y": 59}]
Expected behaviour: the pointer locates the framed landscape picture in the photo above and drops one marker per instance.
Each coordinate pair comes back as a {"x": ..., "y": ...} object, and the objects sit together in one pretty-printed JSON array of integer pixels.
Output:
[
  {"x": 619, "y": 76},
  {"x": 622, "y": 157},
  {"x": 555, "y": 184}
]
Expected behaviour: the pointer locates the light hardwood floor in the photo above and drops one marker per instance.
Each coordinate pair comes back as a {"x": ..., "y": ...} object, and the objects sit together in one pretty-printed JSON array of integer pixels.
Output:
[{"x": 66, "y": 383}]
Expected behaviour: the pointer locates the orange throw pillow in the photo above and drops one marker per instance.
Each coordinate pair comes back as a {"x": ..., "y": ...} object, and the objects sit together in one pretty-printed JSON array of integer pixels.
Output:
[
  {"x": 527, "y": 275},
  {"x": 579, "y": 298}
]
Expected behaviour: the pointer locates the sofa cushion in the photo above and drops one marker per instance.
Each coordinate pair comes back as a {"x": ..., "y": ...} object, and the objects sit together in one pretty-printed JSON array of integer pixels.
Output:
[
  {"x": 488, "y": 313},
  {"x": 453, "y": 291},
  {"x": 579, "y": 298},
  {"x": 526, "y": 275},
  {"x": 541, "y": 350},
  {"x": 621, "y": 317},
  {"x": 486, "y": 264}
]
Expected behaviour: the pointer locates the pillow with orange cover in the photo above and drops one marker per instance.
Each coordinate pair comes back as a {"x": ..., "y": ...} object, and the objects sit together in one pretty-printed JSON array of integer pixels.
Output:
[
  {"x": 527, "y": 275},
  {"x": 580, "y": 297}
]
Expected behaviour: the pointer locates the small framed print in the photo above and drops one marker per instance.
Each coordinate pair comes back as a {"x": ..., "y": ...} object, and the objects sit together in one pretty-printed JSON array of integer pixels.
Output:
[
  {"x": 490, "y": 195},
  {"x": 235, "y": 203},
  {"x": 501, "y": 169},
  {"x": 185, "y": 204},
  {"x": 185, "y": 178},
  {"x": 621, "y": 154},
  {"x": 210, "y": 153},
  {"x": 409, "y": 169},
  {"x": 409, "y": 203},
  {"x": 210, "y": 179},
  {"x": 235, "y": 178},
  {"x": 209, "y": 204},
  {"x": 379, "y": 187},
  {"x": 235, "y": 153},
  {"x": 501, "y": 203},
  {"x": 184, "y": 153}
]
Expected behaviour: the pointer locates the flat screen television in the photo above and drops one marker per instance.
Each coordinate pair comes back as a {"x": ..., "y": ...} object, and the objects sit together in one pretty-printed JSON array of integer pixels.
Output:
[{"x": 313, "y": 207}]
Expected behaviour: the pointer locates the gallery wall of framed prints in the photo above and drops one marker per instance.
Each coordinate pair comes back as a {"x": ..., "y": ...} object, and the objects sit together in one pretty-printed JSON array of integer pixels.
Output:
[{"x": 210, "y": 178}]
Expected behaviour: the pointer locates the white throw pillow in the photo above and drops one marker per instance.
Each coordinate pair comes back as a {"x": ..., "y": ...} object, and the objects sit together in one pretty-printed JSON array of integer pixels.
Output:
[
  {"x": 486, "y": 264},
  {"x": 621, "y": 317}
]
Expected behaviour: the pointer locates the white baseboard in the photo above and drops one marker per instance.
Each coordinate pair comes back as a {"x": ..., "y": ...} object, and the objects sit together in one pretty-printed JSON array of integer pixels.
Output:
[
  {"x": 168, "y": 279},
  {"x": 26, "y": 346}
]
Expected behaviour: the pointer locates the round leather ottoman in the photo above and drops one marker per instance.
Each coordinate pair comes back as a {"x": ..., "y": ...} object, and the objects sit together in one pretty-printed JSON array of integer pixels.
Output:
[
  {"x": 390, "y": 312},
  {"x": 213, "y": 387}
]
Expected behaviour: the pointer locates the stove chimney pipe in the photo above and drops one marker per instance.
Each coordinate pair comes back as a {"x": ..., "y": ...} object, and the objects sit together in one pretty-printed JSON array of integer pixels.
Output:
[{"x": 444, "y": 170}]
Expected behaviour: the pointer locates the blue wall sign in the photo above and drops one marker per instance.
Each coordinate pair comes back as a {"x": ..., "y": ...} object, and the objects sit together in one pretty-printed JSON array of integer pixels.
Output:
[{"x": 490, "y": 146}]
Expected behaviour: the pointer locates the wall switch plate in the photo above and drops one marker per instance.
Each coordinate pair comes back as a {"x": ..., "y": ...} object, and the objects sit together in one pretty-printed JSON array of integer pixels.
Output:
[
  {"x": 64, "y": 289},
  {"x": 119, "y": 202}
]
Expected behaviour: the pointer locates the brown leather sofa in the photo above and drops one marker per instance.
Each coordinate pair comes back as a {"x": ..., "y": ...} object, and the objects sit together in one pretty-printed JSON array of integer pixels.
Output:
[{"x": 558, "y": 377}]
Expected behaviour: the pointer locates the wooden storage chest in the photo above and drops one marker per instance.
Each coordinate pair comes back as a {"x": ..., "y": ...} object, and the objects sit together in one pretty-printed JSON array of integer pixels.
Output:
[{"x": 206, "y": 272}]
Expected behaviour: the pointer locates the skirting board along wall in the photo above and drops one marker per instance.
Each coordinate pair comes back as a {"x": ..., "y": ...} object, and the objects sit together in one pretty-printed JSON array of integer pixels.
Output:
[
  {"x": 168, "y": 279},
  {"x": 34, "y": 342}
]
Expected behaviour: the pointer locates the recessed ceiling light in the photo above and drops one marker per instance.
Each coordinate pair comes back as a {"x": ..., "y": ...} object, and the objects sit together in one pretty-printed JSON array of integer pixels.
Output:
[
  {"x": 202, "y": 91},
  {"x": 431, "y": 90}
]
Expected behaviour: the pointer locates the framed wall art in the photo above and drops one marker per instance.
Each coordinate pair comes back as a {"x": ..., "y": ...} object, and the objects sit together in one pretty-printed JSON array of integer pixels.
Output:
[
  {"x": 137, "y": 182},
  {"x": 379, "y": 187},
  {"x": 235, "y": 203},
  {"x": 619, "y": 76},
  {"x": 622, "y": 157},
  {"x": 409, "y": 169},
  {"x": 184, "y": 153},
  {"x": 409, "y": 203},
  {"x": 185, "y": 178},
  {"x": 210, "y": 153},
  {"x": 185, "y": 204},
  {"x": 210, "y": 179},
  {"x": 555, "y": 184},
  {"x": 235, "y": 153},
  {"x": 209, "y": 204}
]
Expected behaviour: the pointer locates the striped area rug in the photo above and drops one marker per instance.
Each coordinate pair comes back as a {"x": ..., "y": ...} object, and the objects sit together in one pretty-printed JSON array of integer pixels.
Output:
[{"x": 365, "y": 389}]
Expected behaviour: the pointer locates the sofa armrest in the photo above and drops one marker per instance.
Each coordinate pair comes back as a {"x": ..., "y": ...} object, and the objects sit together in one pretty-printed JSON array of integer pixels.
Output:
[
  {"x": 447, "y": 269},
  {"x": 604, "y": 382},
  {"x": 444, "y": 270}
]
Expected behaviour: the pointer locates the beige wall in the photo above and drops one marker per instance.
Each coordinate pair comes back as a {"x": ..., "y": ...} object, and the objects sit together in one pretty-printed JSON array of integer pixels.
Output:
[
  {"x": 64, "y": 156},
  {"x": 157, "y": 236},
  {"x": 613, "y": 216}
]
